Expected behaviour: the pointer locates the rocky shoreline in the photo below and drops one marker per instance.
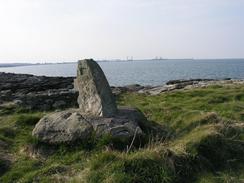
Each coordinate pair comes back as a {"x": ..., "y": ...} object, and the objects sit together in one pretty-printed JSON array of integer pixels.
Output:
[
  {"x": 48, "y": 93},
  {"x": 37, "y": 92}
]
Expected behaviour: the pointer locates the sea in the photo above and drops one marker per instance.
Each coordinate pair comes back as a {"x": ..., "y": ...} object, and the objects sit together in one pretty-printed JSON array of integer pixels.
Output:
[{"x": 145, "y": 72}]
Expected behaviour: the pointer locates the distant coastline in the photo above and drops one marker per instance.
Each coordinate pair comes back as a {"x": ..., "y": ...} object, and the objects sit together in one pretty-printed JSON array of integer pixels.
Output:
[
  {"x": 15, "y": 64},
  {"x": 113, "y": 60}
]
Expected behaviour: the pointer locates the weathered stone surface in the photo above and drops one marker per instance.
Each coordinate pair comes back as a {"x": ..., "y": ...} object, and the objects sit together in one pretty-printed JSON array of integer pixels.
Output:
[
  {"x": 38, "y": 92},
  {"x": 71, "y": 125},
  {"x": 25, "y": 83},
  {"x": 125, "y": 124},
  {"x": 48, "y": 100},
  {"x": 188, "y": 84},
  {"x": 44, "y": 93},
  {"x": 62, "y": 127},
  {"x": 95, "y": 96},
  {"x": 128, "y": 88},
  {"x": 97, "y": 113}
]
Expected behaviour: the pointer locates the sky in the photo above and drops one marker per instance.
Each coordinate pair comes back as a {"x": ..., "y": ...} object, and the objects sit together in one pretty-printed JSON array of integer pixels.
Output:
[{"x": 69, "y": 30}]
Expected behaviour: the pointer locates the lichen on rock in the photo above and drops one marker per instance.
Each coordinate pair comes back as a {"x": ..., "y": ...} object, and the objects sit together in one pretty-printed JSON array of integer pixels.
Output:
[{"x": 95, "y": 95}]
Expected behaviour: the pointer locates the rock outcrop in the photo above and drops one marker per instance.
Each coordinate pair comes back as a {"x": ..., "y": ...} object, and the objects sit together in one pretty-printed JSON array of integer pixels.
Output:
[
  {"x": 95, "y": 96},
  {"x": 71, "y": 126},
  {"x": 26, "y": 83},
  {"x": 188, "y": 84},
  {"x": 49, "y": 93},
  {"x": 125, "y": 124},
  {"x": 97, "y": 113},
  {"x": 38, "y": 92}
]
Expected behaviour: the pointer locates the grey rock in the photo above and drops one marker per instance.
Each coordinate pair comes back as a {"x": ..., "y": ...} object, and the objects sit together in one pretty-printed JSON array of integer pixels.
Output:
[
  {"x": 59, "y": 104},
  {"x": 25, "y": 83},
  {"x": 134, "y": 87},
  {"x": 47, "y": 100},
  {"x": 38, "y": 92},
  {"x": 118, "y": 90},
  {"x": 62, "y": 127},
  {"x": 95, "y": 96},
  {"x": 71, "y": 125},
  {"x": 186, "y": 82},
  {"x": 97, "y": 113},
  {"x": 17, "y": 102},
  {"x": 125, "y": 124},
  {"x": 128, "y": 88}
]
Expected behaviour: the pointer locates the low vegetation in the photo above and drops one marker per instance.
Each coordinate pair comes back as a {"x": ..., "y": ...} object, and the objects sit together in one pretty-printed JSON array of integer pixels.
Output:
[{"x": 192, "y": 136}]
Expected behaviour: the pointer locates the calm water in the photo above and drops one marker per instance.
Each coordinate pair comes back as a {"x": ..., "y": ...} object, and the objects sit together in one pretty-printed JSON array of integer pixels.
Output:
[{"x": 146, "y": 72}]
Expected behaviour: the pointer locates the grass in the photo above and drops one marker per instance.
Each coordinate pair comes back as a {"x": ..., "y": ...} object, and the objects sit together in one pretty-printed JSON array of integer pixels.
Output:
[{"x": 203, "y": 142}]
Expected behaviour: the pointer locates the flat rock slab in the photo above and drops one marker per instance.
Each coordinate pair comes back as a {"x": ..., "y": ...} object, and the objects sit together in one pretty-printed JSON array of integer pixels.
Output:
[{"x": 72, "y": 125}]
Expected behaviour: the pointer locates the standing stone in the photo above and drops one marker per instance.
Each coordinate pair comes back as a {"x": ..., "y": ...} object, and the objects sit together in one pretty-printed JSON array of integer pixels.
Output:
[
  {"x": 95, "y": 96},
  {"x": 97, "y": 114}
]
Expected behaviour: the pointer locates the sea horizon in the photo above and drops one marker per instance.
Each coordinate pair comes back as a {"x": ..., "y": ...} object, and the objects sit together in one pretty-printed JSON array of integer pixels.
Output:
[{"x": 143, "y": 72}]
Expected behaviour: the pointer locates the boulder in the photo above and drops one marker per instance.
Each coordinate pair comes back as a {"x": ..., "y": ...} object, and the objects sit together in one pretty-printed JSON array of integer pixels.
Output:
[
  {"x": 97, "y": 113},
  {"x": 71, "y": 125},
  {"x": 125, "y": 124},
  {"x": 95, "y": 96},
  {"x": 62, "y": 127}
]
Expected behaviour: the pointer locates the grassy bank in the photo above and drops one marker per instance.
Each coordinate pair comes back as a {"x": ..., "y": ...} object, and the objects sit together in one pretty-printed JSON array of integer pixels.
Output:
[{"x": 193, "y": 136}]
